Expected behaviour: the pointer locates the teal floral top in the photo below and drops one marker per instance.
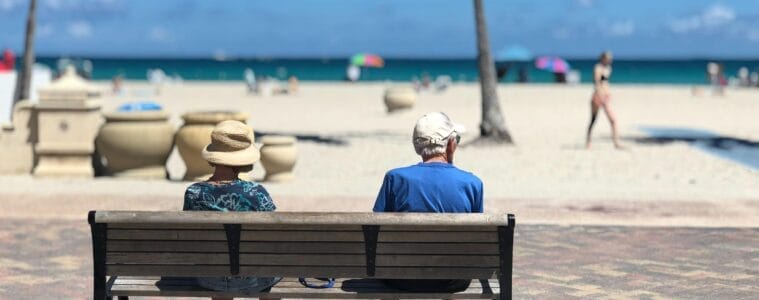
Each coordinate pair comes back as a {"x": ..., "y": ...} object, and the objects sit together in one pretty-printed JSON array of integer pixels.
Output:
[{"x": 238, "y": 195}]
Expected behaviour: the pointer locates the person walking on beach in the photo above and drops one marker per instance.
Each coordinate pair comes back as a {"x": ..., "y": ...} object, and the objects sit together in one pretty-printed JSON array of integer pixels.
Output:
[
  {"x": 433, "y": 185},
  {"x": 231, "y": 152},
  {"x": 601, "y": 98}
]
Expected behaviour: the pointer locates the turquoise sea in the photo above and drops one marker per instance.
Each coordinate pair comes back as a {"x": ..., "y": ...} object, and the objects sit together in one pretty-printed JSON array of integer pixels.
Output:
[{"x": 333, "y": 69}]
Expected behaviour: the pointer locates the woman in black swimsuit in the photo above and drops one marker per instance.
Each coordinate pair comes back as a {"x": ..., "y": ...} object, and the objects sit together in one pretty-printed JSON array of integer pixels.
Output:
[{"x": 601, "y": 98}]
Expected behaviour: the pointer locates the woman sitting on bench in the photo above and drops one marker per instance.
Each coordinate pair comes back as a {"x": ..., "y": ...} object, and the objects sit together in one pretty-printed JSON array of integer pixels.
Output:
[{"x": 231, "y": 152}]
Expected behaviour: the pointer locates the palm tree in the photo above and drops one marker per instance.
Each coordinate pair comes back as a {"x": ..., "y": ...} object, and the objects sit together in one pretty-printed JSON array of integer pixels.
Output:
[
  {"x": 23, "y": 80},
  {"x": 493, "y": 126}
]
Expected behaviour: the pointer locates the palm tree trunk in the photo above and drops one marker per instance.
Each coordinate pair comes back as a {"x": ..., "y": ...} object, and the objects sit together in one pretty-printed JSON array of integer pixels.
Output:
[
  {"x": 493, "y": 126},
  {"x": 23, "y": 80}
]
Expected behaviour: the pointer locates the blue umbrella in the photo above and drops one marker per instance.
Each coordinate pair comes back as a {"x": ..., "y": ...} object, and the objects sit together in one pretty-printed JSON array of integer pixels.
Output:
[
  {"x": 514, "y": 53},
  {"x": 139, "y": 106}
]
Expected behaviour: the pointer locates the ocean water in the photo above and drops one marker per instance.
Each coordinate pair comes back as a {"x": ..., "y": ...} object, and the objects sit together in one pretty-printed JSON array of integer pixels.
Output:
[{"x": 333, "y": 69}]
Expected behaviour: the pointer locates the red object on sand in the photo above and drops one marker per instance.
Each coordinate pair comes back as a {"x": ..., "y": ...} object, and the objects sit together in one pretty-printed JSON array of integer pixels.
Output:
[{"x": 9, "y": 61}]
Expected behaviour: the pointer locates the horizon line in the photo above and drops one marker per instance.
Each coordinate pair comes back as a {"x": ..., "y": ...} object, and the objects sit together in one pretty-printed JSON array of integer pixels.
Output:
[{"x": 394, "y": 57}]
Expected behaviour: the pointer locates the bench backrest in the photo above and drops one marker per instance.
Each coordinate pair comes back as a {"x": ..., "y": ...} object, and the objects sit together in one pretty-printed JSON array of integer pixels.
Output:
[{"x": 350, "y": 245}]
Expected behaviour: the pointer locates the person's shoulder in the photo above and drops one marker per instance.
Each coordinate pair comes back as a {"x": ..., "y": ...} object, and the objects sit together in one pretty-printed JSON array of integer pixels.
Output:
[
  {"x": 196, "y": 187},
  {"x": 468, "y": 176},
  {"x": 249, "y": 186},
  {"x": 400, "y": 169}
]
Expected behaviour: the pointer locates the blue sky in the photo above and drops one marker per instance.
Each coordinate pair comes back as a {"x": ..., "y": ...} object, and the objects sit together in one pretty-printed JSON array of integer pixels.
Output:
[{"x": 393, "y": 28}]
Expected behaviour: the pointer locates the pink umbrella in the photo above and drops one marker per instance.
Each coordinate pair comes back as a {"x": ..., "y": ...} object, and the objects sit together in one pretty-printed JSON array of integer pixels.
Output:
[{"x": 552, "y": 64}]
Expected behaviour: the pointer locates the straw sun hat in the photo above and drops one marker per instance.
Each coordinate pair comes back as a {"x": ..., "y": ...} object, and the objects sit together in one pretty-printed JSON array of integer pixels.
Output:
[{"x": 231, "y": 145}]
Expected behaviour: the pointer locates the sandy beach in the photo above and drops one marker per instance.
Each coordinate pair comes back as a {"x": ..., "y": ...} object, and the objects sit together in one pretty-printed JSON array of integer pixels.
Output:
[{"x": 347, "y": 142}]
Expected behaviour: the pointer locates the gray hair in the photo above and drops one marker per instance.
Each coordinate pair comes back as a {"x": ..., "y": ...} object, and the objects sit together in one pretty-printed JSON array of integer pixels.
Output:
[{"x": 434, "y": 149}]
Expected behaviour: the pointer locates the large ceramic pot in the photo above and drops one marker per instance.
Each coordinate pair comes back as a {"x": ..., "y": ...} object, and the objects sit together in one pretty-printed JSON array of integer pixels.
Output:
[
  {"x": 278, "y": 156},
  {"x": 136, "y": 144},
  {"x": 398, "y": 98},
  {"x": 195, "y": 135}
]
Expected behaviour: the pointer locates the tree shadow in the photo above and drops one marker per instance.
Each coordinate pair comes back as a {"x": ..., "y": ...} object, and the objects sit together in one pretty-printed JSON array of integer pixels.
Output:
[
  {"x": 667, "y": 135},
  {"x": 319, "y": 139},
  {"x": 739, "y": 150}
]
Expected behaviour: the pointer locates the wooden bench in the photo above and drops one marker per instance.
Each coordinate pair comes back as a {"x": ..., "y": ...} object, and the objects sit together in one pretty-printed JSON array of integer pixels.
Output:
[{"x": 142, "y": 253}]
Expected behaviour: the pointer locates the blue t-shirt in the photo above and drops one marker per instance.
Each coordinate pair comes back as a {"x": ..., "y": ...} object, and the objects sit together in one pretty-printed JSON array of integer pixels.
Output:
[{"x": 430, "y": 187}]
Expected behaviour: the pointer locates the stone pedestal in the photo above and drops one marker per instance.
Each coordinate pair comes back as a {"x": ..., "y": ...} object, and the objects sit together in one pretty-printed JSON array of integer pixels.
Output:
[
  {"x": 68, "y": 118},
  {"x": 17, "y": 140}
]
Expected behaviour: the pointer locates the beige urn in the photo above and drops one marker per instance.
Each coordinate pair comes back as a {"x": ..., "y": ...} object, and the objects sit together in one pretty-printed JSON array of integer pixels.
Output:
[
  {"x": 195, "y": 135},
  {"x": 136, "y": 144},
  {"x": 278, "y": 156},
  {"x": 398, "y": 98}
]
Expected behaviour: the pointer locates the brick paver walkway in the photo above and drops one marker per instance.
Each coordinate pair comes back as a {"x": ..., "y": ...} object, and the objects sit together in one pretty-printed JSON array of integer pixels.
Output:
[{"x": 52, "y": 259}]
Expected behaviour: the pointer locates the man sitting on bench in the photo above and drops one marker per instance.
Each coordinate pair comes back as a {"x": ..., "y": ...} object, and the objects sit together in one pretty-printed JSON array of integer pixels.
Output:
[{"x": 434, "y": 185}]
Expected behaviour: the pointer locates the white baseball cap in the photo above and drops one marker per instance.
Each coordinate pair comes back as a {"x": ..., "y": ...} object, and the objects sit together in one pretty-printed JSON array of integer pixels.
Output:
[{"x": 434, "y": 129}]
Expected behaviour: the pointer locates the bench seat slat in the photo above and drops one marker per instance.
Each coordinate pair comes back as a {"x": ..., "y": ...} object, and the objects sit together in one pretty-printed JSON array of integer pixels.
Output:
[
  {"x": 245, "y": 247},
  {"x": 288, "y": 227},
  {"x": 301, "y": 247},
  {"x": 262, "y": 271},
  {"x": 246, "y": 235},
  {"x": 438, "y": 260},
  {"x": 290, "y": 288},
  {"x": 342, "y": 236},
  {"x": 437, "y": 248},
  {"x": 285, "y": 282},
  {"x": 158, "y": 258},
  {"x": 302, "y": 271},
  {"x": 161, "y": 258}
]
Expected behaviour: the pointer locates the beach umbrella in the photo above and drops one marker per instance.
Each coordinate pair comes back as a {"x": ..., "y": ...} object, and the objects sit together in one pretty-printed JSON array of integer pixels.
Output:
[
  {"x": 514, "y": 53},
  {"x": 552, "y": 64},
  {"x": 367, "y": 60}
]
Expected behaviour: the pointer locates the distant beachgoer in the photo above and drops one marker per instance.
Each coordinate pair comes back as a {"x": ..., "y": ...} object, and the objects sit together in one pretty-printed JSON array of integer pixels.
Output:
[
  {"x": 523, "y": 76},
  {"x": 442, "y": 83},
  {"x": 8, "y": 63},
  {"x": 416, "y": 83},
  {"x": 352, "y": 73},
  {"x": 721, "y": 78},
  {"x": 560, "y": 77},
  {"x": 292, "y": 84},
  {"x": 501, "y": 71},
  {"x": 713, "y": 75},
  {"x": 231, "y": 152},
  {"x": 250, "y": 80},
  {"x": 743, "y": 77},
  {"x": 117, "y": 84},
  {"x": 434, "y": 185},
  {"x": 426, "y": 81},
  {"x": 601, "y": 98}
]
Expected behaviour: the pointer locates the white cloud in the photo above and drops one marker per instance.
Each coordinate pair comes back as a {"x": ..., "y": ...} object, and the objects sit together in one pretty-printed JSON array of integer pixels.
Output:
[
  {"x": 79, "y": 29},
  {"x": 717, "y": 15},
  {"x": 84, "y": 5},
  {"x": 8, "y": 5},
  {"x": 621, "y": 28},
  {"x": 711, "y": 17},
  {"x": 160, "y": 34},
  {"x": 585, "y": 3}
]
